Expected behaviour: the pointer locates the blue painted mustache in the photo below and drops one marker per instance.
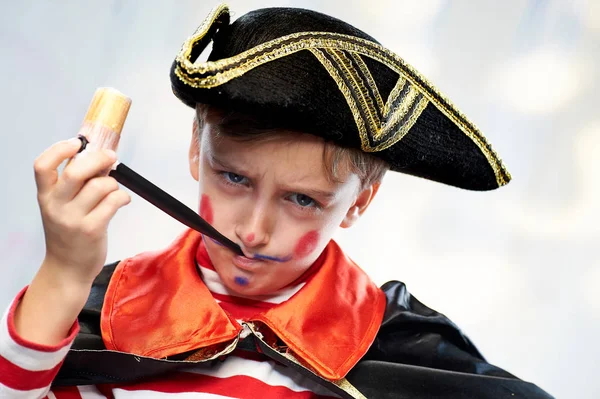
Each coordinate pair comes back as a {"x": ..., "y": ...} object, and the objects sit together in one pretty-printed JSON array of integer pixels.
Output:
[
  {"x": 258, "y": 256},
  {"x": 273, "y": 258}
]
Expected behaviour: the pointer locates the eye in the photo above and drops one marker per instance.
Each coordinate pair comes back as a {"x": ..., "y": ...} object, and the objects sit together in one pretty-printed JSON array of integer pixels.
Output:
[
  {"x": 235, "y": 178},
  {"x": 303, "y": 200}
]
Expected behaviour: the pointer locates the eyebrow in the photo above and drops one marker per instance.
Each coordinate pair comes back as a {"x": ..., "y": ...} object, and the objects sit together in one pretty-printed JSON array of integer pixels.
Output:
[
  {"x": 313, "y": 193},
  {"x": 213, "y": 159}
]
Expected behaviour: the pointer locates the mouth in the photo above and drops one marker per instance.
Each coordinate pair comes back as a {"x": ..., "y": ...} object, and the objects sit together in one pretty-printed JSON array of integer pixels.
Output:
[{"x": 247, "y": 264}]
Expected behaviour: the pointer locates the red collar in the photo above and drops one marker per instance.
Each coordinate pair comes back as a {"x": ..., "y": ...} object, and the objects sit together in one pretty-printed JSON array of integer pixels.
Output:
[{"x": 156, "y": 305}]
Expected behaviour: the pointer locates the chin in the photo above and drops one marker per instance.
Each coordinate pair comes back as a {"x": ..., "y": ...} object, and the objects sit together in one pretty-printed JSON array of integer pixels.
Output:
[{"x": 246, "y": 290}]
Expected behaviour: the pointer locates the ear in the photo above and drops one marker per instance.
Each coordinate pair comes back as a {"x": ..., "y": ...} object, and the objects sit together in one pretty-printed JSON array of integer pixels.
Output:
[
  {"x": 194, "y": 152},
  {"x": 360, "y": 205}
]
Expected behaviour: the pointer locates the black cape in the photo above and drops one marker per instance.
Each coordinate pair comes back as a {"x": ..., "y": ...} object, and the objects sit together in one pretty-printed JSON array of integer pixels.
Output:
[{"x": 418, "y": 353}]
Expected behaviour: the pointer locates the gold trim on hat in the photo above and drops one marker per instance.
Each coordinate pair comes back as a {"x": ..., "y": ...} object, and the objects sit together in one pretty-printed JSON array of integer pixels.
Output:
[
  {"x": 376, "y": 133},
  {"x": 373, "y": 136},
  {"x": 369, "y": 78}
]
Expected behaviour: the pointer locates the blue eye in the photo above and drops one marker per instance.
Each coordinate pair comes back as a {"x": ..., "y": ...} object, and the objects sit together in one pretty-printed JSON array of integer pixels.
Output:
[
  {"x": 303, "y": 200},
  {"x": 235, "y": 178}
]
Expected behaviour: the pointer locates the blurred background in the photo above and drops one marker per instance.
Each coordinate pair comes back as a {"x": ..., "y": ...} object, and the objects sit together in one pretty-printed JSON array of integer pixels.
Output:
[{"x": 517, "y": 268}]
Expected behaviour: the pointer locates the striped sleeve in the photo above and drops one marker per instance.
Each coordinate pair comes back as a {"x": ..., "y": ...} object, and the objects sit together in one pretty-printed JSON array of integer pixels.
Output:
[{"x": 26, "y": 368}]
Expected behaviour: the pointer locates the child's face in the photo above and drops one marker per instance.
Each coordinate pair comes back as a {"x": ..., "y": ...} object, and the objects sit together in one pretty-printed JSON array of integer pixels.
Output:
[{"x": 274, "y": 199}]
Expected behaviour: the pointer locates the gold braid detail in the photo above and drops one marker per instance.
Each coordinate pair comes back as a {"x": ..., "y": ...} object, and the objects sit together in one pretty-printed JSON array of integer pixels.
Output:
[
  {"x": 394, "y": 95},
  {"x": 357, "y": 95},
  {"x": 360, "y": 123},
  {"x": 364, "y": 99},
  {"x": 370, "y": 81},
  {"x": 183, "y": 57}
]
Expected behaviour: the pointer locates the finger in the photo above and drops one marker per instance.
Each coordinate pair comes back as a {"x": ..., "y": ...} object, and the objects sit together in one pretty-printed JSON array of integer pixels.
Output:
[
  {"x": 45, "y": 166},
  {"x": 80, "y": 170},
  {"x": 101, "y": 215},
  {"x": 92, "y": 192}
]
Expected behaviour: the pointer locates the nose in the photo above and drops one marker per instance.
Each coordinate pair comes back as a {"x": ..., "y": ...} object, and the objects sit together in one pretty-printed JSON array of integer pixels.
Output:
[{"x": 255, "y": 230}]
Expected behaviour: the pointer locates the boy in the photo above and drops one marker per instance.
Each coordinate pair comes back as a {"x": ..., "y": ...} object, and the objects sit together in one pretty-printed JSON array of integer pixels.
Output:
[{"x": 298, "y": 116}]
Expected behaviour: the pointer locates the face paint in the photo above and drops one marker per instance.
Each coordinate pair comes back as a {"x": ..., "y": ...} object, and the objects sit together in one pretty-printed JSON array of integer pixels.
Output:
[
  {"x": 256, "y": 256},
  {"x": 213, "y": 240},
  {"x": 306, "y": 244},
  {"x": 273, "y": 258},
  {"x": 240, "y": 280},
  {"x": 250, "y": 237},
  {"x": 206, "y": 211}
]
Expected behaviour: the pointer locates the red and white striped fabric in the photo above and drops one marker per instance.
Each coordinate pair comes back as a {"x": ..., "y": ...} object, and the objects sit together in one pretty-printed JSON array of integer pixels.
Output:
[
  {"x": 243, "y": 308},
  {"x": 27, "y": 369}
]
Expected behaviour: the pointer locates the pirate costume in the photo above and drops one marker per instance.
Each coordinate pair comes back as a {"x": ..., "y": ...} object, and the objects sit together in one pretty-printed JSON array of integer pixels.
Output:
[{"x": 152, "y": 315}]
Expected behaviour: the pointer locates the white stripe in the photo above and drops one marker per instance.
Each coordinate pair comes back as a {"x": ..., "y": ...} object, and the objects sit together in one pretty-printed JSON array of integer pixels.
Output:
[
  {"x": 214, "y": 284},
  {"x": 9, "y": 393},
  {"x": 269, "y": 372},
  {"x": 90, "y": 391},
  {"x": 27, "y": 358},
  {"x": 123, "y": 394},
  {"x": 51, "y": 395}
]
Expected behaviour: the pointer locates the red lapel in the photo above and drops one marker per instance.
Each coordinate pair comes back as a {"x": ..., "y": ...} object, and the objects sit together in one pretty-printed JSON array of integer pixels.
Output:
[{"x": 156, "y": 305}]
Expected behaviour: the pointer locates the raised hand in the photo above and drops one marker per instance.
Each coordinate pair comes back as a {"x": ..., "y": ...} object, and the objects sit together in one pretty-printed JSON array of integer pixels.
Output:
[{"x": 76, "y": 207}]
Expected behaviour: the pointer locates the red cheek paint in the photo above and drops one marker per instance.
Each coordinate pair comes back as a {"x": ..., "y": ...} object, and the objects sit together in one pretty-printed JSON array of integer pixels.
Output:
[
  {"x": 250, "y": 237},
  {"x": 206, "y": 211},
  {"x": 306, "y": 244}
]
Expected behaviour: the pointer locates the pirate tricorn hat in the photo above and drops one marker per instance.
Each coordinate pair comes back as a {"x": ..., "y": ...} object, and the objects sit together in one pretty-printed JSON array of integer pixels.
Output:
[{"x": 310, "y": 72}]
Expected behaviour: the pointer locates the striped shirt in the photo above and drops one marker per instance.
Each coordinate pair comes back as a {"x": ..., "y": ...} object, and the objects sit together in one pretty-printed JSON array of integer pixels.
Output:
[{"x": 27, "y": 369}]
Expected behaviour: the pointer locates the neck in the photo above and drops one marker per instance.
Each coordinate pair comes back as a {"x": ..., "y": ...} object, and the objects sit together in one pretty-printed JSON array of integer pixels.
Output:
[{"x": 222, "y": 294}]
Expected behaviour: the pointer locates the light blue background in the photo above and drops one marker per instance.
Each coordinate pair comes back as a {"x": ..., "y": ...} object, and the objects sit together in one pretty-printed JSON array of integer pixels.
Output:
[{"x": 518, "y": 268}]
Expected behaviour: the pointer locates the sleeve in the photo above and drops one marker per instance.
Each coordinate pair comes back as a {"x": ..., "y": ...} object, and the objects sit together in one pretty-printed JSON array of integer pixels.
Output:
[{"x": 26, "y": 368}]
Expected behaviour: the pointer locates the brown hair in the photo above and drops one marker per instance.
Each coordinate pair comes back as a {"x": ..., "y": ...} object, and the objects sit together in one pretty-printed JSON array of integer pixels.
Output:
[{"x": 244, "y": 127}]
